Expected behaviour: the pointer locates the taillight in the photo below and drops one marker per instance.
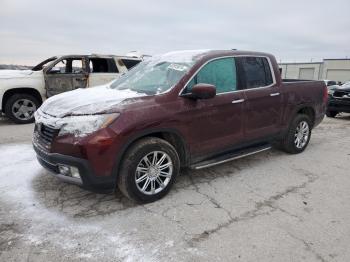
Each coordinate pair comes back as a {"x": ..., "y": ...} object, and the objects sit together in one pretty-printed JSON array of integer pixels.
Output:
[{"x": 325, "y": 95}]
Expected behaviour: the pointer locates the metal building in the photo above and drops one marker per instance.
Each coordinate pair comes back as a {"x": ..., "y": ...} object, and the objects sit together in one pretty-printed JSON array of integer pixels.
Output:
[{"x": 331, "y": 69}]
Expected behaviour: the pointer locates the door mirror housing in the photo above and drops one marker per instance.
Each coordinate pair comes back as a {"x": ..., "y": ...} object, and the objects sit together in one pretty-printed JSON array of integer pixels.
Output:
[{"x": 202, "y": 91}]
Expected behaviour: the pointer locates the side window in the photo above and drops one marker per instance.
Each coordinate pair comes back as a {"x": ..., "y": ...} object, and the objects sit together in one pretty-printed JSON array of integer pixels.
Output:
[
  {"x": 257, "y": 71},
  {"x": 220, "y": 72},
  {"x": 102, "y": 65},
  {"x": 59, "y": 68},
  {"x": 130, "y": 63},
  {"x": 68, "y": 66},
  {"x": 77, "y": 66}
]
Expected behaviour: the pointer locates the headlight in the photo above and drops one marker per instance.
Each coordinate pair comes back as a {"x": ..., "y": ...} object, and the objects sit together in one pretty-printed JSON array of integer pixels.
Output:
[
  {"x": 84, "y": 125},
  {"x": 330, "y": 92}
]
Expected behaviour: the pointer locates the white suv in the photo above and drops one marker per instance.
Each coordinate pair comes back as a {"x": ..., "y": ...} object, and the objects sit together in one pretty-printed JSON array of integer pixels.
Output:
[{"x": 23, "y": 91}]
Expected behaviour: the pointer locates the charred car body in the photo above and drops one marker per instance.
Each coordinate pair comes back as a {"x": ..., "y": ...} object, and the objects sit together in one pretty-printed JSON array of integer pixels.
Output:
[
  {"x": 23, "y": 91},
  {"x": 183, "y": 109}
]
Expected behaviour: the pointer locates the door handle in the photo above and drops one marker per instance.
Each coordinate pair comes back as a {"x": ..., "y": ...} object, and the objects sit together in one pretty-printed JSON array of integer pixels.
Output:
[
  {"x": 80, "y": 79},
  {"x": 237, "y": 101},
  {"x": 275, "y": 94}
]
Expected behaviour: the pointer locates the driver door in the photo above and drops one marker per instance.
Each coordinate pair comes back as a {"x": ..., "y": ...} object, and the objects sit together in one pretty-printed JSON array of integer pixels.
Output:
[
  {"x": 215, "y": 124},
  {"x": 67, "y": 74}
]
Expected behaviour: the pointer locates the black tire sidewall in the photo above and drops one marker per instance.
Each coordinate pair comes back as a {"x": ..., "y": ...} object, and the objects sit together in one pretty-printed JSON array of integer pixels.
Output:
[
  {"x": 133, "y": 158},
  {"x": 12, "y": 100}
]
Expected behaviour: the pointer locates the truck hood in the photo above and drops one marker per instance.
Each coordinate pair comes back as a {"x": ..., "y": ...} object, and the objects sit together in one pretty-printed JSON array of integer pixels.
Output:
[
  {"x": 14, "y": 73},
  {"x": 95, "y": 100}
]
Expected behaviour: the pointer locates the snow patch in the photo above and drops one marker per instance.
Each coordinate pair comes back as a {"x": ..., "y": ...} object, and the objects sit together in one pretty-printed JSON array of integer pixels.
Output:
[
  {"x": 78, "y": 238},
  {"x": 86, "y": 101},
  {"x": 184, "y": 56}
]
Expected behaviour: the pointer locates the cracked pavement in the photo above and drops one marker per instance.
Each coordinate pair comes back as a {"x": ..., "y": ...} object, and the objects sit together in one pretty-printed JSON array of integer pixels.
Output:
[{"x": 268, "y": 207}]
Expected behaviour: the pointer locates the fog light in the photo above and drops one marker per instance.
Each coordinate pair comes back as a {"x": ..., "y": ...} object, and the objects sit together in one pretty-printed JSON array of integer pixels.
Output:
[
  {"x": 64, "y": 170},
  {"x": 70, "y": 171},
  {"x": 74, "y": 172}
]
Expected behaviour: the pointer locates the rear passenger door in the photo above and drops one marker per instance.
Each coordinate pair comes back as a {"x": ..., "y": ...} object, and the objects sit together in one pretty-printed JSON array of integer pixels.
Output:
[
  {"x": 102, "y": 71},
  {"x": 262, "y": 106}
]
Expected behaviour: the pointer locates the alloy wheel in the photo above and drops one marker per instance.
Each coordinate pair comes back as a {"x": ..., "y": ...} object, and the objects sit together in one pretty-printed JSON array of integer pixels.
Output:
[
  {"x": 154, "y": 172},
  {"x": 301, "y": 135}
]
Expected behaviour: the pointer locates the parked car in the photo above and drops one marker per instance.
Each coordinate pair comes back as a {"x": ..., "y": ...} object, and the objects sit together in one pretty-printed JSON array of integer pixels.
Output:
[
  {"x": 330, "y": 82},
  {"x": 182, "y": 109},
  {"x": 339, "y": 100},
  {"x": 23, "y": 91}
]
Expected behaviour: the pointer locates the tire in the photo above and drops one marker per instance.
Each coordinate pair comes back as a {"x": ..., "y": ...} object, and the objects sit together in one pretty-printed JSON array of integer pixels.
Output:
[
  {"x": 290, "y": 143},
  {"x": 134, "y": 166},
  {"x": 14, "y": 106},
  {"x": 331, "y": 113}
]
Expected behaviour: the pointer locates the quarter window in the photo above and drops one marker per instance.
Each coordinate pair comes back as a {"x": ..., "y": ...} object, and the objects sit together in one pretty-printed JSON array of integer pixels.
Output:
[
  {"x": 220, "y": 72},
  {"x": 257, "y": 71},
  {"x": 102, "y": 65},
  {"x": 130, "y": 63}
]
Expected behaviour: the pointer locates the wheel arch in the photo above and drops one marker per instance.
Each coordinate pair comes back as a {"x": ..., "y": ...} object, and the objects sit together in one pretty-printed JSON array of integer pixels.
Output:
[
  {"x": 22, "y": 90},
  {"x": 172, "y": 136},
  {"x": 307, "y": 110}
]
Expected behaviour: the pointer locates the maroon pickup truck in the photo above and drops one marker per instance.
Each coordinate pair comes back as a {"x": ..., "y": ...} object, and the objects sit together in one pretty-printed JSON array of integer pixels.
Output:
[{"x": 182, "y": 109}]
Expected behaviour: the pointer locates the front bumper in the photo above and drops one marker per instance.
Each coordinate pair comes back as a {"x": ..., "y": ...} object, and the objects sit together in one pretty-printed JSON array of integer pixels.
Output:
[
  {"x": 339, "y": 105},
  {"x": 89, "y": 180}
]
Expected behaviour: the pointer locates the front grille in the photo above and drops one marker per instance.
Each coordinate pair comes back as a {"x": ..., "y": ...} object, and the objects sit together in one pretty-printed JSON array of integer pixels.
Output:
[
  {"x": 341, "y": 94},
  {"x": 47, "y": 133},
  {"x": 43, "y": 136}
]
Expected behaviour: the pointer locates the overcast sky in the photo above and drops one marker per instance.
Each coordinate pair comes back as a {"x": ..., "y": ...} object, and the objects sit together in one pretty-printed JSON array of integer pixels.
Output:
[{"x": 298, "y": 30}]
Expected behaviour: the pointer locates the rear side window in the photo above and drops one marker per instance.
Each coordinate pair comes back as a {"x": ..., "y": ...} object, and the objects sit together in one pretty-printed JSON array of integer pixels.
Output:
[
  {"x": 102, "y": 65},
  {"x": 220, "y": 72},
  {"x": 130, "y": 63},
  {"x": 257, "y": 71}
]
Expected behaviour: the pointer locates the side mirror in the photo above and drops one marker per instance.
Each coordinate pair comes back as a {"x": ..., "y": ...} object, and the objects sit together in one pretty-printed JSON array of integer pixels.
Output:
[{"x": 203, "y": 91}]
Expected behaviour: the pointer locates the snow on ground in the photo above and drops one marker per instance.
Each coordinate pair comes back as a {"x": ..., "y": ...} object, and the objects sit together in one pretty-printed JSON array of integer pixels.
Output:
[{"x": 19, "y": 172}]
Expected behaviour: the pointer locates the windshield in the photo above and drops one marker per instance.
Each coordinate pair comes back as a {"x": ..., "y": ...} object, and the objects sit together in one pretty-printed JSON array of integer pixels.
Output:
[{"x": 158, "y": 74}]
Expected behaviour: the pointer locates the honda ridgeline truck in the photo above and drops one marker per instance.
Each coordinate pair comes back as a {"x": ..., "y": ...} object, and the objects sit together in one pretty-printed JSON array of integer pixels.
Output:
[{"x": 190, "y": 109}]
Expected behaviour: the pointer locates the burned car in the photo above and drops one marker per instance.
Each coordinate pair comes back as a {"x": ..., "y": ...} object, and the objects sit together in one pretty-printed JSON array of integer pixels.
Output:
[{"x": 23, "y": 91}]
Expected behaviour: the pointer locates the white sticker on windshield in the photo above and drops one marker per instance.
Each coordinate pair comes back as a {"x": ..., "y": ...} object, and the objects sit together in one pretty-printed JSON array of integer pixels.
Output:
[{"x": 178, "y": 67}]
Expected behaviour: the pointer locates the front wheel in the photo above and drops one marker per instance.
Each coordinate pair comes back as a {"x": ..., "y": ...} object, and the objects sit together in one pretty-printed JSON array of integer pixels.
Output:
[
  {"x": 20, "y": 108},
  {"x": 148, "y": 170},
  {"x": 298, "y": 135}
]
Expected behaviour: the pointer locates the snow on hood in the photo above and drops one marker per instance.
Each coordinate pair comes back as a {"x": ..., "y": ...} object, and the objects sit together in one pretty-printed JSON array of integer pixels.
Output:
[
  {"x": 14, "y": 73},
  {"x": 86, "y": 101}
]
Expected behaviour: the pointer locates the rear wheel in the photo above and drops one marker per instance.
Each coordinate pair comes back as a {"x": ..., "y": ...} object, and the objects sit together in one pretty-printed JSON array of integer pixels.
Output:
[
  {"x": 20, "y": 108},
  {"x": 331, "y": 113},
  {"x": 148, "y": 170},
  {"x": 298, "y": 135}
]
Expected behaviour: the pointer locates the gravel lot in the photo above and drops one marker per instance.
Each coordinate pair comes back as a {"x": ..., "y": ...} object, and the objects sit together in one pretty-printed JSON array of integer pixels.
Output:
[{"x": 268, "y": 207}]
